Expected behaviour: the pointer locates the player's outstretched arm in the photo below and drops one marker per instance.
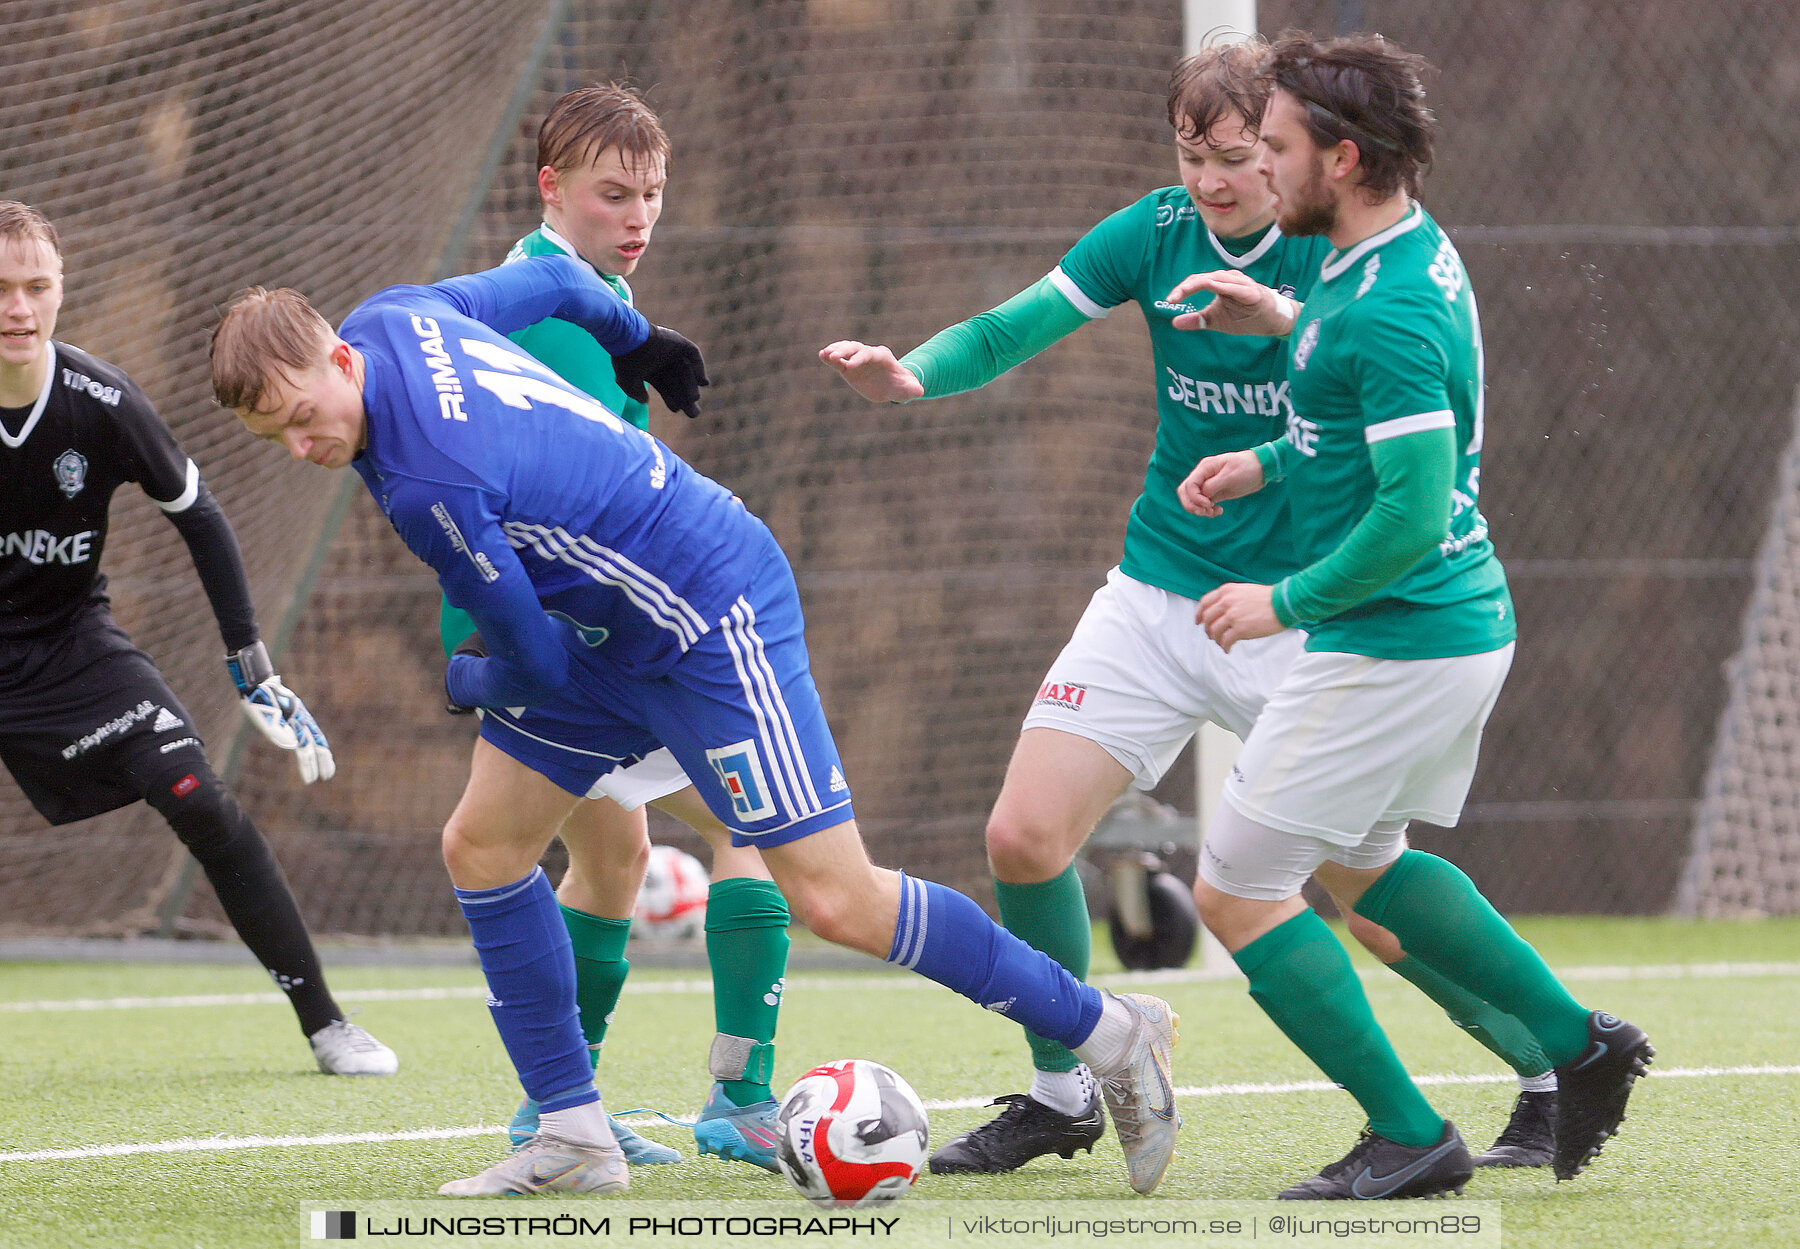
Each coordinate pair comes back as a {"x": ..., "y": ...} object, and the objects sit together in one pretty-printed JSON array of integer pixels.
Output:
[
  {"x": 514, "y": 296},
  {"x": 511, "y": 297},
  {"x": 873, "y": 372},
  {"x": 1218, "y": 479},
  {"x": 1242, "y": 305},
  {"x": 965, "y": 356}
]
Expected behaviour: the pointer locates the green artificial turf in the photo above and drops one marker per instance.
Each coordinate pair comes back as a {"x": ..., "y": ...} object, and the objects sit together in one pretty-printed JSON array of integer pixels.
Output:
[{"x": 1704, "y": 1159}]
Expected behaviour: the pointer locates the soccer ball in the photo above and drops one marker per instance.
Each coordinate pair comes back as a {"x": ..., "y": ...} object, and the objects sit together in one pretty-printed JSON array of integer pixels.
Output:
[
  {"x": 671, "y": 904},
  {"x": 851, "y": 1133}
]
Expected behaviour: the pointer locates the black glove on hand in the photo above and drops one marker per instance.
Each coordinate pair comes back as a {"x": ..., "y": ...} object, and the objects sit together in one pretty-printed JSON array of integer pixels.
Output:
[
  {"x": 668, "y": 362},
  {"x": 471, "y": 645}
]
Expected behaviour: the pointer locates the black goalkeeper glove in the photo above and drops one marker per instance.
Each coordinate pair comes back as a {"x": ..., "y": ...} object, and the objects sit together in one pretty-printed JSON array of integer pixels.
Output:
[
  {"x": 668, "y": 362},
  {"x": 471, "y": 645}
]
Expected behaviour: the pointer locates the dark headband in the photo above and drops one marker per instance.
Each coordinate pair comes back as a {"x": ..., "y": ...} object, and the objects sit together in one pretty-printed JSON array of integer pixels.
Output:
[{"x": 1327, "y": 119}]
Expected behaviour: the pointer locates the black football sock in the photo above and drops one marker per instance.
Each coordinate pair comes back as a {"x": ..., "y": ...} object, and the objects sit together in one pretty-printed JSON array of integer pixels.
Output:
[{"x": 250, "y": 886}]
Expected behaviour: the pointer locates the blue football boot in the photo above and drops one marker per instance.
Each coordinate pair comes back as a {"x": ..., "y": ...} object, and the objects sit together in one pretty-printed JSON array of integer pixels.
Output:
[{"x": 740, "y": 1133}]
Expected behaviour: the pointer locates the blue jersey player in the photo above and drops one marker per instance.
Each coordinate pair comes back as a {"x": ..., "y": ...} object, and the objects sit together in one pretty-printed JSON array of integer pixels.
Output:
[{"x": 624, "y": 603}]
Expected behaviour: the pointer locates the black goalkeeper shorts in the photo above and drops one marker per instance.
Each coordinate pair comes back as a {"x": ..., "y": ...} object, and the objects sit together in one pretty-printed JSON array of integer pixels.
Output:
[{"x": 76, "y": 710}]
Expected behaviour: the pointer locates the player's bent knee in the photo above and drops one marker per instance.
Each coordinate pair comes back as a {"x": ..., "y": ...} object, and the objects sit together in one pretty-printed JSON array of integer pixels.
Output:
[
  {"x": 204, "y": 815},
  {"x": 456, "y": 848},
  {"x": 1024, "y": 851}
]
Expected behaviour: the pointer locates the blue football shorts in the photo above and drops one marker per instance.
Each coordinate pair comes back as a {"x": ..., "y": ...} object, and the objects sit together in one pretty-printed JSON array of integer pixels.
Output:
[{"x": 739, "y": 711}]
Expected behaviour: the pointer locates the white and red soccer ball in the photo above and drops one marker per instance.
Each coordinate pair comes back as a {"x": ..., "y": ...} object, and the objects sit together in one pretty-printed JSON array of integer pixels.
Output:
[
  {"x": 851, "y": 1133},
  {"x": 671, "y": 903}
]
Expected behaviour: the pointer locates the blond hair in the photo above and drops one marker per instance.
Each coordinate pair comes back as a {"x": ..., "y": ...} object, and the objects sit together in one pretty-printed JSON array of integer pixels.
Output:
[
  {"x": 260, "y": 335},
  {"x": 21, "y": 223},
  {"x": 588, "y": 120}
]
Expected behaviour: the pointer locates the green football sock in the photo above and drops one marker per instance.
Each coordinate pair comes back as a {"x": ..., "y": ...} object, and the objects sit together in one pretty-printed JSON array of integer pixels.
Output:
[
  {"x": 600, "y": 970},
  {"x": 1494, "y": 1028},
  {"x": 1050, "y": 916},
  {"x": 747, "y": 944},
  {"x": 1442, "y": 920},
  {"x": 1302, "y": 978}
]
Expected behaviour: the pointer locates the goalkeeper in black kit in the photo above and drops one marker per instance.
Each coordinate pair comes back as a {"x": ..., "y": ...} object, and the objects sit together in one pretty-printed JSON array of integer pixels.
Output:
[{"x": 87, "y": 723}]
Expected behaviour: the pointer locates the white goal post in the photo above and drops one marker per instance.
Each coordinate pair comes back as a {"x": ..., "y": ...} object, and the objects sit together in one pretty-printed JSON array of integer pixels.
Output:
[{"x": 1215, "y": 749}]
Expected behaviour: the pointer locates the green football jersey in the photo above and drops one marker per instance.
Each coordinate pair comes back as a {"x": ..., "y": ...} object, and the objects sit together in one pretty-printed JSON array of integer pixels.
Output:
[
  {"x": 1389, "y": 345},
  {"x": 568, "y": 348},
  {"x": 1214, "y": 392}
]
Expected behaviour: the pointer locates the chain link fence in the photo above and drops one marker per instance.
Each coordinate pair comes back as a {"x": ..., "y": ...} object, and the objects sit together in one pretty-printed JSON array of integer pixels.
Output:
[
  {"x": 185, "y": 149},
  {"x": 1621, "y": 180}
]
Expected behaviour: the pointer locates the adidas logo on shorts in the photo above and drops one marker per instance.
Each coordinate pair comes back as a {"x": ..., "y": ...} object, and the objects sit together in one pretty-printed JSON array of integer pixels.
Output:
[{"x": 166, "y": 720}]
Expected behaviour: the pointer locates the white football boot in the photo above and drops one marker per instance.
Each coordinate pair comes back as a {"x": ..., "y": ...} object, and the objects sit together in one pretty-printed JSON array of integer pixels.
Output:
[
  {"x": 1139, "y": 1088},
  {"x": 343, "y": 1049},
  {"x": 546, "y": 1164}
]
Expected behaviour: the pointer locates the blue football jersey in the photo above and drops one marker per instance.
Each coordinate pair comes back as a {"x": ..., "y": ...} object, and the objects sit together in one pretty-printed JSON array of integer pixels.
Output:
[{"x": 567, "y": 533}]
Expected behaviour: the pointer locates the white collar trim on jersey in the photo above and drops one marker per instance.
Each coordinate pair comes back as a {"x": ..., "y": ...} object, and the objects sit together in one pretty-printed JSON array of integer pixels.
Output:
[
  {"x": 1336, "y": 264},
  {"x": 558, "y": 240},
  {"x": 561, "y": 242},
  {"x": 1250, "y": 257},
  {"x": 37, "y": 409}
]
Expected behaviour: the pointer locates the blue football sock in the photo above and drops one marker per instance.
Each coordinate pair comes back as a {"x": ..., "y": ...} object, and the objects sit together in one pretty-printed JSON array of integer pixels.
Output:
[
  {"x": 945, "y": 937},
  {"x": 525, "y": 955}
]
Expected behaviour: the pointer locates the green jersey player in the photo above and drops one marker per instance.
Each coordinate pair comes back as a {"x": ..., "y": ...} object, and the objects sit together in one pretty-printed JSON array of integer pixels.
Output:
[
  {"x": 1410, "y": 633},
  {"x": 602, "y": 165},
  {"x": 1137, "y": 678}
]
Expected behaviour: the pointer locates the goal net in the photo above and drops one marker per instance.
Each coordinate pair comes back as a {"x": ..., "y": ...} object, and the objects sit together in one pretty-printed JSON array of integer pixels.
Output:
[
  {"x": 1746, "y": 851},
  {"x": 879, "y": 169}
]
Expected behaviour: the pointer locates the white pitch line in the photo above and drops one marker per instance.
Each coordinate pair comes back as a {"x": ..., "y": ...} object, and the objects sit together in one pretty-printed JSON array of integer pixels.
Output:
[
  {"x": 885, "y": 982},
  {"x": 188, "y": 1145},
  {"x": 1326, "y": 1086},
  {"x": 198, "y": 1145}
]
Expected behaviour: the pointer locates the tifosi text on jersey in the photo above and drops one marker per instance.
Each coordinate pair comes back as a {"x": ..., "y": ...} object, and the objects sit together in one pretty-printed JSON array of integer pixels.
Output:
[
  {"x": 1258, "y": 399},
  {"x": 99, "y": 390},
  {"x": 443, "y": 372}
]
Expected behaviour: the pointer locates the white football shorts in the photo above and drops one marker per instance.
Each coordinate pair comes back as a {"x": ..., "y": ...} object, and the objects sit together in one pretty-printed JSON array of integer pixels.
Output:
[
  {"x": 1248, "y": 860},
  {"x": 1138, "y": 677},
  {"x": 656, "y": 775},
  {"x": 1347, "y": 743}
]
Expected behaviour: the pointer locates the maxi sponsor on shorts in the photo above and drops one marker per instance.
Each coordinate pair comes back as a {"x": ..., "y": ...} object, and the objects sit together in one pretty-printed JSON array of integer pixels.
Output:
[{"x": 1056, "y": 694}]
